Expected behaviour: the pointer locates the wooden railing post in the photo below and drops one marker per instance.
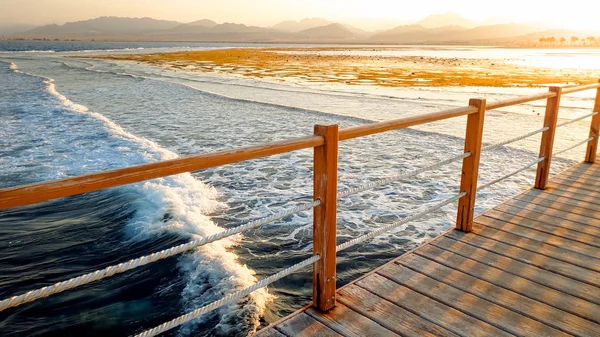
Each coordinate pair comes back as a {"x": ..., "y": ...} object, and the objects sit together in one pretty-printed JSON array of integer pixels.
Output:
[
  {"x": 547, "y": 143},
  {"x": 470, "y": 168},
  {"x": 592, "y": 148},
  {"x": 324, "y": 220}
]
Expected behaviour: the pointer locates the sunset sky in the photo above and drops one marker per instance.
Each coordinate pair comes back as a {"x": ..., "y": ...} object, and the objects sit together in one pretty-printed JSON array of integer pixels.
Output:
[{"x": 366, "y": 14}]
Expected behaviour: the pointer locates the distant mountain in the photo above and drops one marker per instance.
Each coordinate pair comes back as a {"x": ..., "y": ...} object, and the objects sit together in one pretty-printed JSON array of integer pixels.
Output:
[
  {"x": 451, "y": 34},
  {"x": 429, "y": 31},
  {"x": 15, "y": 28},
  {"x": 448, "y": 19},
  {"x": 334, "y": 31},
  {"x": 298, "y": 26},
  {"x": 203, "y": 23},
  {"x": 104, "y": 26},
  {"x": 498, "y": 31}
]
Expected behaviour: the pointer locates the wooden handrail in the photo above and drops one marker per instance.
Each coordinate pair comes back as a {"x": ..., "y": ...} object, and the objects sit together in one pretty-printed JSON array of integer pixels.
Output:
[
  {"x": 38, "y": 192},
  {"x": 519, "y": 100},
  {"x": 325, "y": 144},
  {"x": 29, "y": 194},
  {"x": 570, "y": 90},
  {"x": 404, "y": 122}
]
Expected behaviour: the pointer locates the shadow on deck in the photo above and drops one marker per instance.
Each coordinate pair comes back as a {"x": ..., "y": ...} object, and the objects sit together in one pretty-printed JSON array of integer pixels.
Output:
[{"x": 531, "y": 267}]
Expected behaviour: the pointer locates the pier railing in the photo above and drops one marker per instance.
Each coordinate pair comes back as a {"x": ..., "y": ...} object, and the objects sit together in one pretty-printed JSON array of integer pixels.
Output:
[{"x": 325, "y": 142}]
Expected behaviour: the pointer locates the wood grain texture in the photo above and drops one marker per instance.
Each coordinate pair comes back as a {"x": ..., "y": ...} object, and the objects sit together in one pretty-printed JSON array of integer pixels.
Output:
[
  {"x": 477, "y": 307},
  {"x": 556, "y": 230},
  {"x": 529, "y": 267},
  {"x": 538, "y": 220},
  {"x": 388, "y": 314},
  {"x": 29, "y": 194},
  {"x": 470, "y": 167},
  {"x": 302, "y": 325},
  {"x": 540, "y": 292},
  {"x": 525, "y": 306},
  {"x": 547, "y": 143},
  {"x": 539, "y": 247},
  {"x": 404, "y": 122},
  {"x": 592, "y": 147},
  {"x": 269, "y": 332},
  {"x": 440, "y": 314},
  {"x": 531, "y": 258},
  {"x": 348, "y": 322},
  {"x": 532, "y": 273},
  {"x": 325, "y": 217}
]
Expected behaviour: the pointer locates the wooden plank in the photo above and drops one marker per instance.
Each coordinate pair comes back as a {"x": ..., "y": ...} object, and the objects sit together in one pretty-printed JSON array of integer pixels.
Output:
[
  {"x": 388, "y": 314},
  {"x": 269, "y": 332},
  {"x": 533, "y": 219},
  {"x": 302, "y": 325},
  {"x": 579, "y": 183},
  {"x": 573, "y": 192},
  {"x": 29, "y": 194},
  {"x": 477, "y": 307},
  {"x": 554, "y": 229},
  {"x": 573, "y": 199},
  {"x": 589, "y": 182},
  {"x": 592, "y": 147},
  {"x": 470, "y": 166},
  {"x": 535, "y": 246},
  {"x": 348, "y": 322},
  {"x": 547, "y": 142},
  {"x": 325, "y": 217},
  {"x": 525, "y": 256},
  {"x": 507, "y": 298},
  {"x": 490, "y": 273},
  {"x": 579, "y": 170},
  {"x": 404, "y": 122},
  {"x": 558, "y": 282},
  {"x": 550, "y": 239},
  {"x": 436, "y": 312},
  {"x": 547, "y": 205},
  {"x": 560, "y": 215},
  {"x": 519, "y": 100},
  {"x": 566, "y": 197}
]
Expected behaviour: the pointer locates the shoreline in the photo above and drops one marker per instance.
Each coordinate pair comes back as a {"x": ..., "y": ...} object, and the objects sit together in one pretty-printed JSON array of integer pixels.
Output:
[{"x": 306, "y": 65}]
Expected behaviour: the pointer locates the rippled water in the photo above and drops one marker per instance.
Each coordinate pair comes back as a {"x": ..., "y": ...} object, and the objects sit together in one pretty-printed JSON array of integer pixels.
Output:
[{"x": 64, "y": 117}]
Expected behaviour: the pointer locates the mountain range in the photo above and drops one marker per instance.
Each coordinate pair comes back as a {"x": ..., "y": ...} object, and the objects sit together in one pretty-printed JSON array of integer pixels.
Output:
[{"x": 447, "y": 28}]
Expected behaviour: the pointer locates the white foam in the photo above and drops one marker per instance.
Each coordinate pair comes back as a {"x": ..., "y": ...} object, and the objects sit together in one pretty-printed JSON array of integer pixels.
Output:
[{"x": 180, "y": 204}]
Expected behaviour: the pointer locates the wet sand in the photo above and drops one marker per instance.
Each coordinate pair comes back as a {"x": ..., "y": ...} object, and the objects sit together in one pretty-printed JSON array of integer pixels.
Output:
[{"x": 283, "y": 64}]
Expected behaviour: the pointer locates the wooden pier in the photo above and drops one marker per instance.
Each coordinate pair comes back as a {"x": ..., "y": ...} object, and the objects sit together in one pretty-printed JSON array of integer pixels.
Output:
[{"x": 529, "y": 267}]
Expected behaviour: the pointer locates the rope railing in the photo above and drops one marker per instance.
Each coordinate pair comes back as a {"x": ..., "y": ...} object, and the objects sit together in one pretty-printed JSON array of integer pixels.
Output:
[
  {"x": 24, "y": 195},
  {"x": 404, "y": 221},
  {"x": 571, "y": 121},
  {"x": 147, "y": 259},
  {"x": 574, "y": 146},
  {"x": 400, "y": 176},
  {"x": 231, "y": 298},
  {"x": 495, "y": 181},
  {"x": 513, "y": 140}
]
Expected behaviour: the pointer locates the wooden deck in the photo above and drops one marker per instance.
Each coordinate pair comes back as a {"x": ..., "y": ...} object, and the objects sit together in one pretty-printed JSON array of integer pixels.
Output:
[{"x": 531, "y": 267}]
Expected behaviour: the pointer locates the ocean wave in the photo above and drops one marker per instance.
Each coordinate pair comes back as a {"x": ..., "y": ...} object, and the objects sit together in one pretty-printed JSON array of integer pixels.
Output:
[
  {"x": 223, "y": 96},
  {"x": 180, "y": 204}
]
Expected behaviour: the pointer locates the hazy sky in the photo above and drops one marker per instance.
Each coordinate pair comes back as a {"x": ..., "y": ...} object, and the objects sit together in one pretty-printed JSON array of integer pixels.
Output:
[{"x": 366, "y": 14}]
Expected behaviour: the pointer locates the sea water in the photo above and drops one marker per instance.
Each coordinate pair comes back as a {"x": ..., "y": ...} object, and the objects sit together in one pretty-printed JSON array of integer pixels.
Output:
[{"x": 62, "y": 117}]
